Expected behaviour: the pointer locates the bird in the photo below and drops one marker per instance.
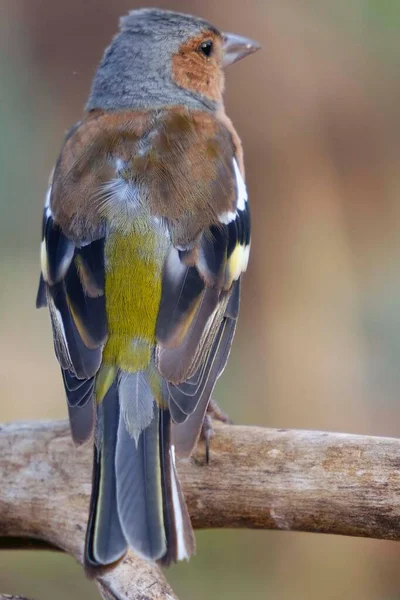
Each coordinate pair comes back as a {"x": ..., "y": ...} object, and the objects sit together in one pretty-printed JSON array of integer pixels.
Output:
[{"x": 145, "y": 236}]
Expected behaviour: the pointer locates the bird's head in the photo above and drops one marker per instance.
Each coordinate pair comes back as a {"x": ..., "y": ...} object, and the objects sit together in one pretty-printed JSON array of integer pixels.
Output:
[{"x": 164, "y": 58}]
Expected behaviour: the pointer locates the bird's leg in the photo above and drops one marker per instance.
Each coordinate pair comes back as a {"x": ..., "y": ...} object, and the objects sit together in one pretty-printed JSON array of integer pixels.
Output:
[{"x": 207, "y": 430}]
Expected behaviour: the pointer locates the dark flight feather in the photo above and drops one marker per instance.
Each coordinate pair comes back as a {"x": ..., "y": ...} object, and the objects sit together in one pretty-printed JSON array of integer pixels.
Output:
[
  {"x": 82, "y": 420},
  {"x": 213, "y": 254},
  {"x": 176, "y": 364},
  {"x": 81, "y": 408},
  {"x": 60, "y": 251},
  {"x": 78, "y": 390},
  {"x": 181, "y": 290},
  {"x": 84, "y": 361},
  {"x": 105, "y": 541},
  {"x": 88, "y": 311},
  {"x": 176, "y": 414},
  {"x": 41, "y": 297},
  {"x": 187, "y": 394},
  {"x": 90, "y": 261},
  {"x": 178, "y": 529},
  {"x": 72, "y": 284},
  {"x": 186, "y": 434},
  {"x": 233, "y": 306}
]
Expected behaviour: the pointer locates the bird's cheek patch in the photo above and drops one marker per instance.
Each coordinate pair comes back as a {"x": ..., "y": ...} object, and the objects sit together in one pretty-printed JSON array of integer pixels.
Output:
[{"x": 193, "y": 72}]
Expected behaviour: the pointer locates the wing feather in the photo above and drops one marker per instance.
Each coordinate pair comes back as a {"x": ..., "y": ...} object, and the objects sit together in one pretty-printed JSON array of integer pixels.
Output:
[
  {"x": 196, "y": 324},
  {"x": 198, "y": 283},
  {"x": 72, "y": 285},
  {"x": 192, "y": 407}
]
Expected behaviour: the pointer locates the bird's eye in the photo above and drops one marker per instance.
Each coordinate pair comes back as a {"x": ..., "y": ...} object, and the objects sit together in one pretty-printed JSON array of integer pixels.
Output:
[{"x": 206, "y": 48}]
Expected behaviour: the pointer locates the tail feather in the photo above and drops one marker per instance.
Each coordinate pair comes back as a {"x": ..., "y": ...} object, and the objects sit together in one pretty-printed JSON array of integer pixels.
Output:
[
  {"x": 136, "y": 496},
  {"x": 140, "y": 502},
  {"x": 178, "y": 528},
  {"x": 105, "y": 541}
]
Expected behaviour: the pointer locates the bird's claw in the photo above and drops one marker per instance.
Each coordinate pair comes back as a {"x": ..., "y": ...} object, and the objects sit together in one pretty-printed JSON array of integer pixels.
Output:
[{"x": 215, "y": 412}]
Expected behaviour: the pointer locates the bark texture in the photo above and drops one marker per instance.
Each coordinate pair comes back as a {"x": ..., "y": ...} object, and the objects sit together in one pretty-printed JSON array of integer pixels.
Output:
[{"x": 257, "y": 478}]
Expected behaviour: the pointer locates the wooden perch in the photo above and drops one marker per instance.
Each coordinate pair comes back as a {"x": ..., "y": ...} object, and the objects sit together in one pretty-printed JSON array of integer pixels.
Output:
[
  {"x": 257, "y": 478},
  {"x": 8, "y": 597}
]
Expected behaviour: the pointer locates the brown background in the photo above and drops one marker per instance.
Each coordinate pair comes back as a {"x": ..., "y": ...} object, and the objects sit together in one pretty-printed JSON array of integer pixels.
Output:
[{"x": 318, "y": 344}]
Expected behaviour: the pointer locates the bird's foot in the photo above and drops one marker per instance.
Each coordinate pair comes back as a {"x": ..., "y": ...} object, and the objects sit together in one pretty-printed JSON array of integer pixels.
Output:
[{"x": 217, "y": 413}]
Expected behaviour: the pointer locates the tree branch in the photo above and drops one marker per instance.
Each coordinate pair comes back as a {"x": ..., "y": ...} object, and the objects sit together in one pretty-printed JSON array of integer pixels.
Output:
[
  {"x": 257, "y": 478},
  {"x": 8, "y": 597}
]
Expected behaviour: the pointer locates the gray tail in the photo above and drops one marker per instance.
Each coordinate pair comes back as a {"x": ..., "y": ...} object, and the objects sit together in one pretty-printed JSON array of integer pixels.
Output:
[{"x": 136, "y": 498}]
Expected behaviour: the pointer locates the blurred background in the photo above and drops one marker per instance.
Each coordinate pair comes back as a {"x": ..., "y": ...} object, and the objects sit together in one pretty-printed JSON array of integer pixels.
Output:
[{"x": 318, "y": 343}]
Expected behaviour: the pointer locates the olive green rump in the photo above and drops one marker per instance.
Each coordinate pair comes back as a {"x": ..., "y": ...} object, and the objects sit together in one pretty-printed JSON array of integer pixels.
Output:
[{"x": 133, "y": 293}]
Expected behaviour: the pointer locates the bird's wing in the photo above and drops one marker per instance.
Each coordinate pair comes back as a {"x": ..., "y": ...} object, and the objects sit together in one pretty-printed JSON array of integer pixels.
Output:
[
  {"x": 188, "y": 401},
  {"x": 200, "y": 300},
  {"x": 72, "y": 285},
  {"x": 195, "y": 298}
]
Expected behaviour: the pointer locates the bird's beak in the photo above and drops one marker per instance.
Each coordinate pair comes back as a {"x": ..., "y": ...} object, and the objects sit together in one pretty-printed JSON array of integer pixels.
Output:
[{"x": 236, "y": 47}]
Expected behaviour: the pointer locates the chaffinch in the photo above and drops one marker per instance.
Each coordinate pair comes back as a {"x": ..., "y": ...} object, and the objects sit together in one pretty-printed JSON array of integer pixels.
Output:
[{"x": 146, "y": 232}]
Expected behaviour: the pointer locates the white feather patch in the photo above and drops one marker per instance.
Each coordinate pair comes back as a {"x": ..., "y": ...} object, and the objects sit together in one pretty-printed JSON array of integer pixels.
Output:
[
  {"x": 241, "y": 187},
  {"x": 227, "y": 217},
  {"x": 246, "y": 255},
  {"x": 48, "y": 212},
  {"x": 47, "y": 198},
  {"x": 182, "y": 551},
  {"x": 43, "y": 260},
  {"x": 175, "y": 269}
]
